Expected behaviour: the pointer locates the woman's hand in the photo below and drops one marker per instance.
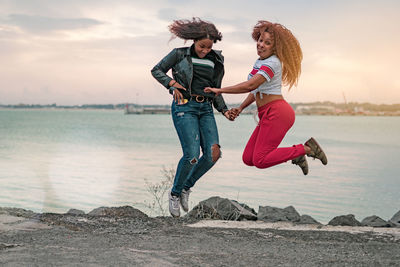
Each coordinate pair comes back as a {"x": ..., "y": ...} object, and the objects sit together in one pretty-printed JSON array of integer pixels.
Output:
[
  {"x": 217, "y": 91},
  {"x": 236, "y": 111},
  {"x": 229, "y": 116},
  {"x": 178, "y": 96}
]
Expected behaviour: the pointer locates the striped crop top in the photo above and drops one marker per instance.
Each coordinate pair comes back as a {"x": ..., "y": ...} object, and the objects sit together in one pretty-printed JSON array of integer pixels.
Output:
[{"x": 271, "y": 69}]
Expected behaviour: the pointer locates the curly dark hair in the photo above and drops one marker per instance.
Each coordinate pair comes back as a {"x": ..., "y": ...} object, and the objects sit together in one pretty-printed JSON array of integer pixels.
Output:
[
  {"x": 195, "y": 29},
  {"x": 286, "y": 48}
]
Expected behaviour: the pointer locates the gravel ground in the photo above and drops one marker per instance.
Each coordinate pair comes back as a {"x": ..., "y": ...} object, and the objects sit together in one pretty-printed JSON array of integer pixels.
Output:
[{"x": 28, "y": 239}]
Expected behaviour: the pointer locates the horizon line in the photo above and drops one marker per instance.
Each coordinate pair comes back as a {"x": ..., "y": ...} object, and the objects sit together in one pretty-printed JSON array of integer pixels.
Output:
[{"x": 230, "y": 103}]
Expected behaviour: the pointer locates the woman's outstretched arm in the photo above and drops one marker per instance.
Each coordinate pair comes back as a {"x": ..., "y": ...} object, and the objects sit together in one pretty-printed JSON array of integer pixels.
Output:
[
  {"x": 249, "y": 99},
  {"x": 240, "y": 88}
]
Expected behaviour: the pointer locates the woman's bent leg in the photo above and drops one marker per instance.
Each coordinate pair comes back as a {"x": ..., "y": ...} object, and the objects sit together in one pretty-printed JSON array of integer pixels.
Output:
[
  {"x": 276, "y": 120},
  {"x": 209, "y": 142},
  {"x": 248, "y": 152}
]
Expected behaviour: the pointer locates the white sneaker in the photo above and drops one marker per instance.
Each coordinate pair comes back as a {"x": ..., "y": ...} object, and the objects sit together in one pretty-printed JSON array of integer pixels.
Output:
[
  {"x": 174, "y": 205},
  {"x": 184, "y": 199}
]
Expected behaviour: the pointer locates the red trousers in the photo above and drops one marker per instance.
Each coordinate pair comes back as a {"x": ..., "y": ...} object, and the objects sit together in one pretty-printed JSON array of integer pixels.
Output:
[{"x": 262, "y": 150}]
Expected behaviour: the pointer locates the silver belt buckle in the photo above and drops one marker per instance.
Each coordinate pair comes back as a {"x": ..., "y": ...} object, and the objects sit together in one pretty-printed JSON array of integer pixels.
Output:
[{"x": 200, "y": 98}]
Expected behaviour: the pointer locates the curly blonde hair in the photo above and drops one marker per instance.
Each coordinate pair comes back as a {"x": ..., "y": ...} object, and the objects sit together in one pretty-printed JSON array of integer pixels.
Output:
[
  {"x": 195, "y": 29},
  {"x": 286, "y": 48}
]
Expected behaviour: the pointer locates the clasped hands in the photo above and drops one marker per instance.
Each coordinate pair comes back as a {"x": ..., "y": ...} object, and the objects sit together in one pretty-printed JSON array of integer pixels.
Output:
[{"x": 231, "y": 114}]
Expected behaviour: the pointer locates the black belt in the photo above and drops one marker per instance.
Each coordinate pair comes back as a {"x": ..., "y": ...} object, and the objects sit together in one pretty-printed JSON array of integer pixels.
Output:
[{"x": 201, "y": 98}]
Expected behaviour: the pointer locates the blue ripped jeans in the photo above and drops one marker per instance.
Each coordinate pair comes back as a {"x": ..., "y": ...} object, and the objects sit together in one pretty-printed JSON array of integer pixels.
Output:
[{"x": 195, "y": 124}]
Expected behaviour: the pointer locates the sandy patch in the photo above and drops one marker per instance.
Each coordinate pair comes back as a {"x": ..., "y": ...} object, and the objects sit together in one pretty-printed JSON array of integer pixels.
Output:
[
  {"x": 395, "y": 232},
  {"x": 14, "y": 223}
]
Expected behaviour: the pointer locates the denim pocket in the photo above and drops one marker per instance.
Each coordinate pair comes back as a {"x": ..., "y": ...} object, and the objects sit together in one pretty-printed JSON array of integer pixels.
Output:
[
  {"x": 180, "y": 107},
  {"x": 182, "y": 103}
]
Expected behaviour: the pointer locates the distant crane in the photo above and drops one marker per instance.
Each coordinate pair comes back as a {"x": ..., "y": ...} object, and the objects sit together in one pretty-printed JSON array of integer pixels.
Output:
[{"x": 346, "y": 106}]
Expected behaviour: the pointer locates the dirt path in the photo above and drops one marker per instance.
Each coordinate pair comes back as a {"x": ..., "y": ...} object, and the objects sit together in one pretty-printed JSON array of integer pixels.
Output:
[{"x": 59, "y": 239}]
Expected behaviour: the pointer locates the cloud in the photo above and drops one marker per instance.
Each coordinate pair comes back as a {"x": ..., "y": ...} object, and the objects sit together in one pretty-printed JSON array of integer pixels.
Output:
[
  {"x": 106, "y": 48},
  {"x": 38, "y": 24},
  {"x": 167, "y": 14}
]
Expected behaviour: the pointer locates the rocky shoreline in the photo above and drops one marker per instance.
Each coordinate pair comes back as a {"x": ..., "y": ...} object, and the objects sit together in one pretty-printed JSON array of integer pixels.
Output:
[
  {"x": 217, "y": 208},
  {"x": 216, "y": 232}
]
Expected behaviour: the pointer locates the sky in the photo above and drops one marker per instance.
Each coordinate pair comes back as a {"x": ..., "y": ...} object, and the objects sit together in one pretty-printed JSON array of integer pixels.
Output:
[{"x": 74, "y": 52}]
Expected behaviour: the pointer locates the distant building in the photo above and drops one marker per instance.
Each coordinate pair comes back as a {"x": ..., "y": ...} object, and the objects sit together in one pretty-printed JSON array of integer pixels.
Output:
[
  {"x": 146, "y": 110},
  {"x": 314, "y": 109}
]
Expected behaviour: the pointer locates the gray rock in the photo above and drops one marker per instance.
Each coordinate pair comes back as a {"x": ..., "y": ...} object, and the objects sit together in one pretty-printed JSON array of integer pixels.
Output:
[
  {"x": 75, "y": 212},
  {"x": 217, "y": 208},
  {"x": 125, "y": 211},
  {"x": 307, "y": 219},
  {"x": 344, "y": 220},
  {"x": 374, "y": 221},
  {"x": 246, "y": 207},
  {"x": 17, "y": 212},
  {"x": 395, "y": 221},
  {"x": 292, "y": 214},
  {"x": 272, "y": 214}
]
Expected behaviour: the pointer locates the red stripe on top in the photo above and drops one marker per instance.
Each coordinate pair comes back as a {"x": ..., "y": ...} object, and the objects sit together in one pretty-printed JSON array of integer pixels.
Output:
[
  {"x": 267, "y": 70},
  {"x": 254, "y": 71}
]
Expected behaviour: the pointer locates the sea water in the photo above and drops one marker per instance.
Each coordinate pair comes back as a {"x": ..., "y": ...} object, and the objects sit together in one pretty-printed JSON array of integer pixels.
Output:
[{"x": 54, "y": 160}]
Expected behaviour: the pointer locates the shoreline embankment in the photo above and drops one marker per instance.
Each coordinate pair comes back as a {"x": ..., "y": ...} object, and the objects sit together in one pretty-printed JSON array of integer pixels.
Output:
[{"x": 110, "y": 236}]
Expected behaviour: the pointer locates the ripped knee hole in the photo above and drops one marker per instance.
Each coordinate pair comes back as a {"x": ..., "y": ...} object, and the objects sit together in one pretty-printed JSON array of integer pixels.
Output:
[{"x": 215, "y": 152}]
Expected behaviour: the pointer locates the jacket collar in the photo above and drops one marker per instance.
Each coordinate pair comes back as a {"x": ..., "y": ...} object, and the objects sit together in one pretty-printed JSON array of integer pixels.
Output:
[{"x": 217, "y": 53}]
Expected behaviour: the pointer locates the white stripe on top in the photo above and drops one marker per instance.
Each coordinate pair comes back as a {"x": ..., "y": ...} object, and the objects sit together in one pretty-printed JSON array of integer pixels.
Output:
[{"x": 202, "y": 61}]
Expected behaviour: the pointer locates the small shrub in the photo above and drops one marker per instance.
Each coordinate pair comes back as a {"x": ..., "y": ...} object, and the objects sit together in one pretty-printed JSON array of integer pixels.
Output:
[{"x": 158, "y": 205}]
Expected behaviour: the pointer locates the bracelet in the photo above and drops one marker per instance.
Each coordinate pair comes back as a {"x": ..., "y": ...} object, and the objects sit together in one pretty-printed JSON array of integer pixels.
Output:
[{"x": 173, "y": 84}]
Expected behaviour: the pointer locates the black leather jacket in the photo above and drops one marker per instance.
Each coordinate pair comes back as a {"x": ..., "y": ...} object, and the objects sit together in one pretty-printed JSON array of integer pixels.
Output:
[{"x": 180, "y": 61}]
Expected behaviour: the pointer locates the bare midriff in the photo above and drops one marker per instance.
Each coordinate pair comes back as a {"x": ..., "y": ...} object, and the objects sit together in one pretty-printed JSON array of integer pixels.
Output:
[{"x": 266, "y": 99}]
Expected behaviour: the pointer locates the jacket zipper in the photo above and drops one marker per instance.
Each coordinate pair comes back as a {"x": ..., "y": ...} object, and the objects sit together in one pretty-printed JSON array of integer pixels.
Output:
[{"x": 191, "y": 76}]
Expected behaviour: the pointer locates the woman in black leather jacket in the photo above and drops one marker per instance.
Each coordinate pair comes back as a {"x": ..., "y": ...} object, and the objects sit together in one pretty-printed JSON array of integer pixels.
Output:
[{"x": 193, "y": 69}]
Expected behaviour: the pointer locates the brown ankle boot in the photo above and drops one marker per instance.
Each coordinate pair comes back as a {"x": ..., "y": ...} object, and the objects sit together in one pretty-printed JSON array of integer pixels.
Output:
[
  {"x": 302, "y": 162},
  {"x": 316, "y": 151}
]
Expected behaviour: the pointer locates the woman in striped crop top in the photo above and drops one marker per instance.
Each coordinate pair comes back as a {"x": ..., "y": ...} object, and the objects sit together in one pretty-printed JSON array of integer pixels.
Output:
[{"x": 279, "y": 63}]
